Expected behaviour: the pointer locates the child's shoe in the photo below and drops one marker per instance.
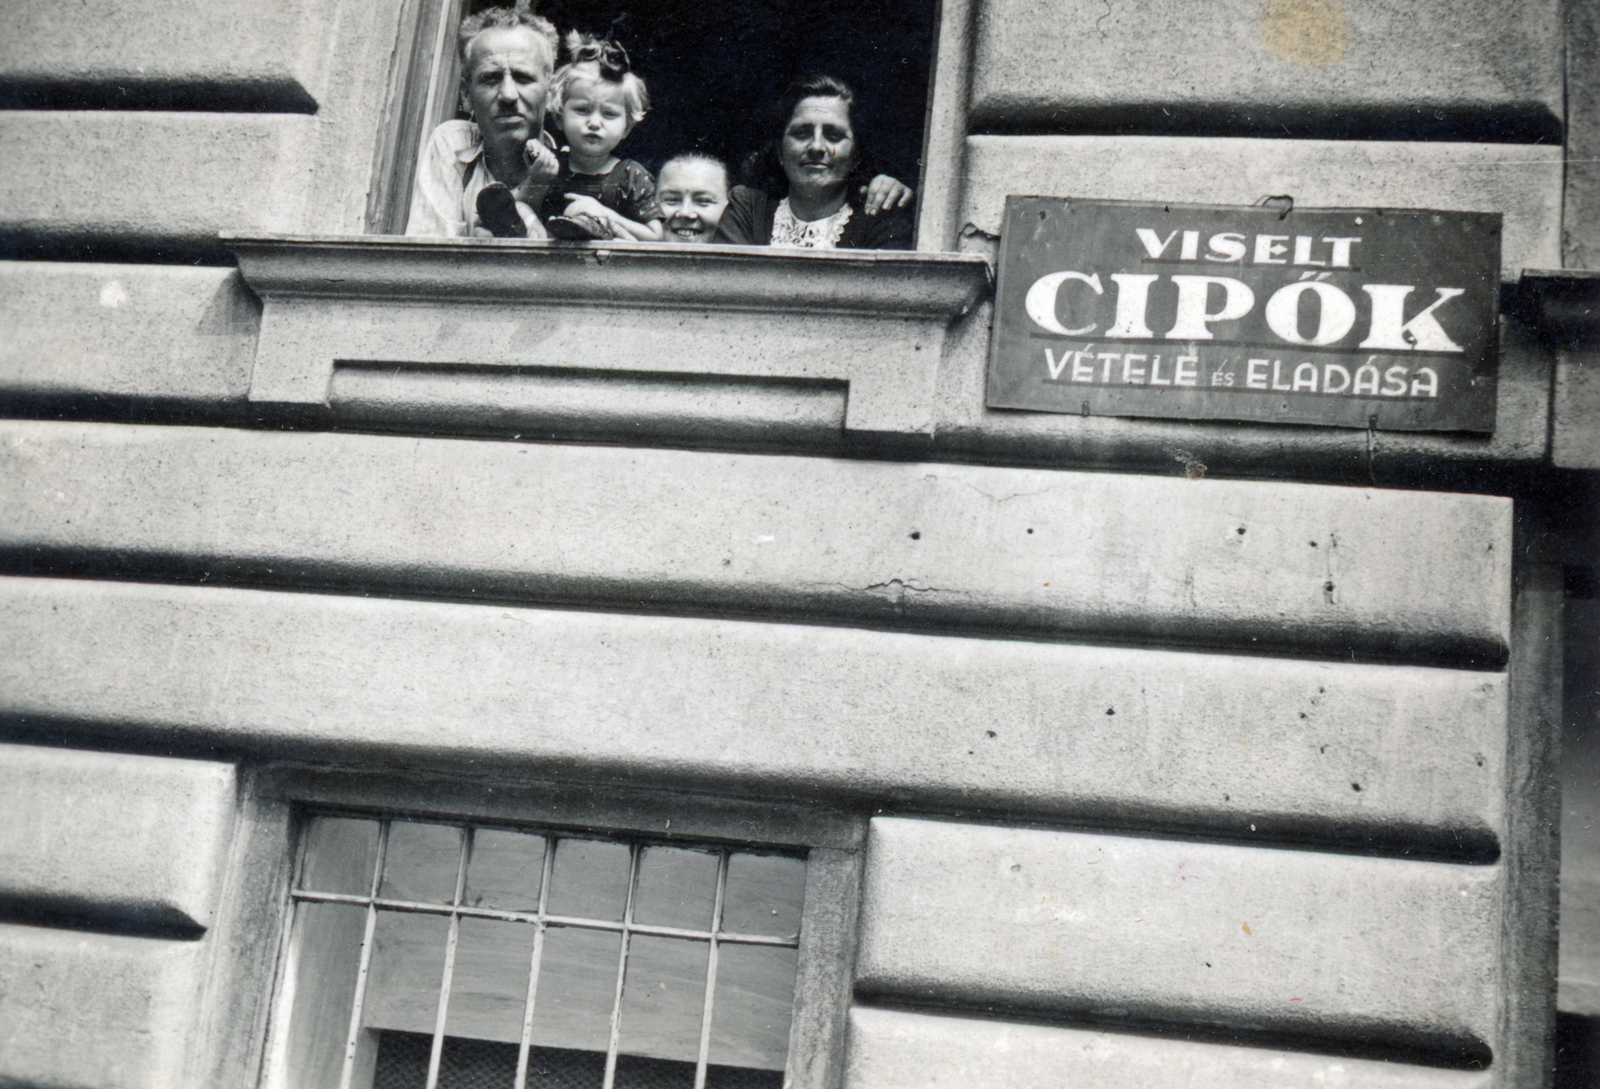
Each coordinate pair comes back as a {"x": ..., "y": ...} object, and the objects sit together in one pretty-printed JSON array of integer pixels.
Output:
[
  {"x": 578, "y": 227},
  {"x": 497, "y": 212}
]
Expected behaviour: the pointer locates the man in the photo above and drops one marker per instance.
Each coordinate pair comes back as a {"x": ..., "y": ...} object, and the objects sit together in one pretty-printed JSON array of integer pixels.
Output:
[{"x": 507, "y": 58}]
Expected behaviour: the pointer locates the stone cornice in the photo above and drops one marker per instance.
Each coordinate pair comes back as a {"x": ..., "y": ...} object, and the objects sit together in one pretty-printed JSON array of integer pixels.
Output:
[
  {"x": 874, "y": 321},
  {"x": 719, "y": 278}
]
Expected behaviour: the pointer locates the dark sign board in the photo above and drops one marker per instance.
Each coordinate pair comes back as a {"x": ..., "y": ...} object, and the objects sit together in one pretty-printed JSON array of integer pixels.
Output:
[{"x": 1346, "y": 317}]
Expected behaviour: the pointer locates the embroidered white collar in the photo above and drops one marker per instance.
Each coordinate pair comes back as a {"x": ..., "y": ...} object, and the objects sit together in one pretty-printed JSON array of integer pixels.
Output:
[{"x": 819, "y": 234}]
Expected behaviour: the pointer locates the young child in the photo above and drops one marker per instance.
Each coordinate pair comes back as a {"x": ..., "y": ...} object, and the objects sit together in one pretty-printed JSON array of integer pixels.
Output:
[
  {"x": 693, "y": 192},
  {"x": 596, "y": 100}
]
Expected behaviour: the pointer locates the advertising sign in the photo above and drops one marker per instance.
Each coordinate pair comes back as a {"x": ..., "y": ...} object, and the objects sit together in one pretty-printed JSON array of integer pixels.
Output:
[{"x": 1344, "y": 317}]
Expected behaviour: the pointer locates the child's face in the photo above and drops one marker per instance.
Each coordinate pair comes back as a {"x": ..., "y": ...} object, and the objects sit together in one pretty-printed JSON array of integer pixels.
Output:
[
  {"x": 594, "y": 118},
  {"x": 693, "y": 196}
]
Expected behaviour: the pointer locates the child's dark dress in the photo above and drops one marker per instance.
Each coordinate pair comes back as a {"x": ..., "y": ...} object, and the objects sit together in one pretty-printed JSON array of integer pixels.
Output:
[{"x": 627, "y": 188}]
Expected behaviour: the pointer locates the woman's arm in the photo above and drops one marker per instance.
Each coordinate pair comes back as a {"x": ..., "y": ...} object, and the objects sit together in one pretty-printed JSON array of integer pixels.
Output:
[
  {"x": 742, "y": 221},
  {"x": 886, "y": 231}
]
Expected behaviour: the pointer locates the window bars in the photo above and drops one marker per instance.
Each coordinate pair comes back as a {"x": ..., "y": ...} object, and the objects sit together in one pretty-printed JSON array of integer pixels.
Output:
[{"x": 585, "y": 900}]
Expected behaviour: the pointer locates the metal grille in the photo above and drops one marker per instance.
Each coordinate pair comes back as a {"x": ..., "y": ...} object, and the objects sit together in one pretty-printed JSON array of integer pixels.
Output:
[{"x": 418, "y": 1060}]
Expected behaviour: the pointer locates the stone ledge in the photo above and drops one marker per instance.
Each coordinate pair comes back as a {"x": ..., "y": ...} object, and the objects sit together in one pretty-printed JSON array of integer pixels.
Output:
[
  {"x": 717, "y": 278},
  {"x": 873, "y": 319}
]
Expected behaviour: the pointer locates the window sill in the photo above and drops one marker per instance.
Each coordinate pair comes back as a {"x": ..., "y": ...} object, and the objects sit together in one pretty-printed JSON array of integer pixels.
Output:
[{"x": 873, "y": 320}]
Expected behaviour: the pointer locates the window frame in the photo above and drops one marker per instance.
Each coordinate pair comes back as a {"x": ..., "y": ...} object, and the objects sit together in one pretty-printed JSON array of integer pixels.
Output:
[
  {"x": 247, "y": 1022},
  {"x": 423, "y": 91}
]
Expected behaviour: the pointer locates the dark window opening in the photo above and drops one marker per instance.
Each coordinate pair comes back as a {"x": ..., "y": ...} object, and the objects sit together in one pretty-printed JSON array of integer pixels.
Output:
[{"x": 714, "y": 72}]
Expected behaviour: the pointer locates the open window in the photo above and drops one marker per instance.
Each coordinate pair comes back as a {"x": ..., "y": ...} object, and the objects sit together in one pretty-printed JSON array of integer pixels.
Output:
[{"x": 713, "y": 68}]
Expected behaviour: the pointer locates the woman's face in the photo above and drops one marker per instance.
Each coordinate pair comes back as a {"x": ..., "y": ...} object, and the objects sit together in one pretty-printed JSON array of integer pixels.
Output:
[
  {"x": 819, "y": 147},
  {"x": 693, "y": 195}
]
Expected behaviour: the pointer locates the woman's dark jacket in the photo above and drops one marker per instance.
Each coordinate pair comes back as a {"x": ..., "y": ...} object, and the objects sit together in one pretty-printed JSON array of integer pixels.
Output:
[{"x": 748, "y": 222}]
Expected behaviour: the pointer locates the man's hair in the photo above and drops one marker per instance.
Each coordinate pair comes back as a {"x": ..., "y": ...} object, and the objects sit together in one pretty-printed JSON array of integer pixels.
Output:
[
  {"x": 689, "y": 157},
  {"x": 505, "y": 18},
  {"x": 596, "y": 58}
]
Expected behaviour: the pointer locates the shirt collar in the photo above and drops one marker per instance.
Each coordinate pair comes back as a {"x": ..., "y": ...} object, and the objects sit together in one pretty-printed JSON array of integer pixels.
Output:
[{"x": 473, "y": 151}]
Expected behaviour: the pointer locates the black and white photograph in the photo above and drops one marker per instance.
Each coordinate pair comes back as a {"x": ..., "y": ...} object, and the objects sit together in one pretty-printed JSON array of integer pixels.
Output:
[{"x": 807, "y": 544}]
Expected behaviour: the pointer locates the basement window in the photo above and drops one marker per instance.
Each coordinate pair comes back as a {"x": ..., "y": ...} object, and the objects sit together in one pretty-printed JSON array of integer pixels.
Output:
[{"x": 458, "y": 953}]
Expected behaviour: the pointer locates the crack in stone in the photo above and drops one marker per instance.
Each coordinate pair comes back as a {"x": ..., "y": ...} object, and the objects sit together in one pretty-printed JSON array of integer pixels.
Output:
[
  {"x": 895, "y": 590},
  {"x": 996, "y": 498}
]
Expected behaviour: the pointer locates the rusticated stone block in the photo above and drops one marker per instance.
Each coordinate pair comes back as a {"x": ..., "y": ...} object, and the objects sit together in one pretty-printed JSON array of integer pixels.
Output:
[
  {"x": 137, "y": 331},
  {"x": 126, "y": 840},
  {"x": 95, "y": 1010},
  {"x": 1212, "y": 562},
  {"x": 1520, "y": 181},
  {"x": 890, "y": 1049},
  {"x": 1112, "y": 735},
  {"x": 1430, "y": 65},
  {"x": 1382, "y": 952}
]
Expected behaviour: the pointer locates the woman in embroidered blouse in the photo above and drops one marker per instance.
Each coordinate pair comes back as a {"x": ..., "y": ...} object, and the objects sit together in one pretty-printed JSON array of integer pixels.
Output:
[{"x": 821, "y": 159}]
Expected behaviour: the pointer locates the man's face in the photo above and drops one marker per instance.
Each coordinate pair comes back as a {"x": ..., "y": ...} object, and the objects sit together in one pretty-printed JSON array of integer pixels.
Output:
[
  {"x": 507, "y": 81},
  {"x": 693, "y": 196}
]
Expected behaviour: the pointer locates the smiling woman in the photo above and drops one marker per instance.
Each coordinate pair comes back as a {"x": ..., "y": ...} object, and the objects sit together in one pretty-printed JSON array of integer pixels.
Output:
[
  {"x": 693, "y": 192},
  {"x": 821, "y": 159}
]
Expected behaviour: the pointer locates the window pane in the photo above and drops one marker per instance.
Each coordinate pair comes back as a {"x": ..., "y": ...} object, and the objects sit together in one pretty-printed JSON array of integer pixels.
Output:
[
  {"x": 740, "y": 1077},
  {"x": 402, "y": 1060},
  {"x": 676, "y": 888},
  {"x": 407, "y": 968},
  {"x": 589, "y": 879},
  {"x": 754, "y": 1000},
  {"x": 340, "y": 855},
  {"x": 421, "y": 863},
  {"x": 324, "y": 966},
  {"x": 577, "y": 982},
  {"x": 463, "y": 1064},
  {"x": 636, "y": 1073},
  {"x": 765, "y": 894},
  {"x": 489, "y": 986},
  {"x": 559, "y": 1068},
  {"x": 663, "y": 998},
  {"x": 505, "y": 870}
]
